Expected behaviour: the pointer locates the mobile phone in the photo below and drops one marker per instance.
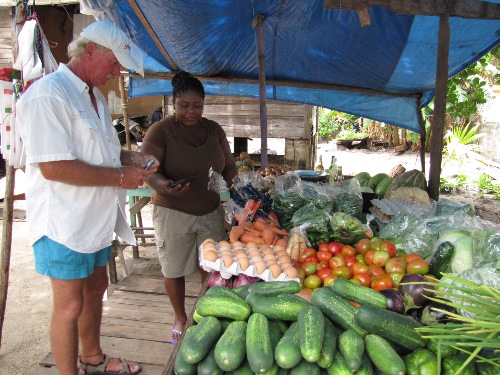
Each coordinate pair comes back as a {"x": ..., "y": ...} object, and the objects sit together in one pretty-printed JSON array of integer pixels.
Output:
[
  {"x": 184, "y": 180},
  {"x": 149, "y": 163}
]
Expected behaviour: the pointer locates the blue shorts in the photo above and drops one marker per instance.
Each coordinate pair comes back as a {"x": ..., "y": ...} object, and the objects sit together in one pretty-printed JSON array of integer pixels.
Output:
[{"x": 60, "y": 262}]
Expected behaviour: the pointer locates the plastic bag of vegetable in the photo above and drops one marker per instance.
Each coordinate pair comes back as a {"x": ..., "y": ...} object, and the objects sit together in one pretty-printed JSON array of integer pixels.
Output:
[
  {"x": 347, "y": 229},
  {"x": 319, "y": 218}
]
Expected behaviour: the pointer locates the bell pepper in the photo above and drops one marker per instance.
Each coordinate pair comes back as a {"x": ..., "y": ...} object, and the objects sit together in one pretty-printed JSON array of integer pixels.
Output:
[
  {"x": 446, "y": 350},
  {"x": 452, "y": 364},
  {"x": 421, "y": 362}
]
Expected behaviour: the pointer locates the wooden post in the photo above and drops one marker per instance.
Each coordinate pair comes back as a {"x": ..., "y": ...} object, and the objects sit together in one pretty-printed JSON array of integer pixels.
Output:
[
  {"x": 258, "y": 24},
  {"x": 423, "y": 135},
  {"x": 125, "y": 112},
  {"x": 436, "y": 148}
]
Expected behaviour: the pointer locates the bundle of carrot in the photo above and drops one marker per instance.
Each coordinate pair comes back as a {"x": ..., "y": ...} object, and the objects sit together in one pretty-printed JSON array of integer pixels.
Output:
[{"x": 261, "y": 232}]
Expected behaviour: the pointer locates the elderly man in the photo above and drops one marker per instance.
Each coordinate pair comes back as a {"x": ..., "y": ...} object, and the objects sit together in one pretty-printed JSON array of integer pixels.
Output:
[{"x": 77, "y": 174}]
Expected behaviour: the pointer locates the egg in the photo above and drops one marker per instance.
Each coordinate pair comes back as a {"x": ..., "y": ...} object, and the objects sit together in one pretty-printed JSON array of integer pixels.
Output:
[
  {"x": 266, "y": 249},
  {"x": 210, "y": 246},
  {"x": 269, "y": 256},
  {"x": 244, "y": 263},
  {"x": 208, "y": 241},
  {"x": 280, "y": 253},
  {"x": 284, "y": 259},
  {"x": 237, "y": 245},
  {"x": 210, "y": 255},
  {"x": 226, "y": 252},
  {"x": 275, "y": 270},
  {"x": 291, "y": 272},
  {"x": 227, "y": 260},
  {"x": 278, "y": 248},
  {"x": 270, "y": 261},
  {"x": 260, "y": 266},
  {"x": 285, "y": 265},
  {"x": 254, "y": 253},
  {"x": 252, "y": 246},
  {"x": 256, "y": 258}
]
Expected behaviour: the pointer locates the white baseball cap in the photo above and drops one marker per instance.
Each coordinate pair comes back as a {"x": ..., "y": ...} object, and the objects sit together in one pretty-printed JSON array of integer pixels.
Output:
[{"x": 106, "y": 34}]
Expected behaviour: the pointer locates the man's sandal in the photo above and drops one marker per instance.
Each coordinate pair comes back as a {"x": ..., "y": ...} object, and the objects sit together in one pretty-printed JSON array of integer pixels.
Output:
[{"x": 102, "y": 368}]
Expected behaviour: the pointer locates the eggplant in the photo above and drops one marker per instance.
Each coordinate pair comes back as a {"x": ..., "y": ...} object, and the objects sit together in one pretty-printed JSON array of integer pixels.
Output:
[
  {"x": 394, "y": 300},
  {"x": 431, "y": 316},
  {"x": 415, "y": 295}
]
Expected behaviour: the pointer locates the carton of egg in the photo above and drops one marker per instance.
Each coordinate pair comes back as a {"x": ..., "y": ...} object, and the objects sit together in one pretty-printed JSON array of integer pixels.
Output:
[{"x": 270, "y": 263}]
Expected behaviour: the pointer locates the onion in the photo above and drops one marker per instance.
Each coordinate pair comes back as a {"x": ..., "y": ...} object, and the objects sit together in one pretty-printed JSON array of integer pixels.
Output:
[
  {"x": 394, "y": 300},
  {"x": 414, "y": 295},
  {"x": 243, "y": 279},
  {"x": 216, "y": 279}
]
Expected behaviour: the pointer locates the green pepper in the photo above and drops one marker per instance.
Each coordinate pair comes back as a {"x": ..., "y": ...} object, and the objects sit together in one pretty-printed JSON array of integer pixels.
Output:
[
  {"x": 446, "y": 350},
  {"x": 421, "y": 362},
  {"x": 453, "y": 363}
]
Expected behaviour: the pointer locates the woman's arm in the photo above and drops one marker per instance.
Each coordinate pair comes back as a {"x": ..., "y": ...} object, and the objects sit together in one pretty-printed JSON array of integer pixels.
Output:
[{"x": 229, "y": 171}]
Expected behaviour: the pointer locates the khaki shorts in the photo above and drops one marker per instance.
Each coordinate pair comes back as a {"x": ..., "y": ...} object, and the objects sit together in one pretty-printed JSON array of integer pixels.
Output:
[{"x": 179, "y": 235}]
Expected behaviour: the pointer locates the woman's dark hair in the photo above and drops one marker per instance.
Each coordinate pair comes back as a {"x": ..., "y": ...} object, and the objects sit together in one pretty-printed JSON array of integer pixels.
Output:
[{"x": 183, "y": 82}]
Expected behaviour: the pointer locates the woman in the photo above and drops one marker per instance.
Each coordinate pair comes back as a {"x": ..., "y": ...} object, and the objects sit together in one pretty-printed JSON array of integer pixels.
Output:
[{"x": 185, "y": 215}]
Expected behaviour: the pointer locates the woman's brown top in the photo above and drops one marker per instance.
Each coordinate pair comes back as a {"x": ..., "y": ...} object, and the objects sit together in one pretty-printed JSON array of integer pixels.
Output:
[{"x": 183, "y": 160}]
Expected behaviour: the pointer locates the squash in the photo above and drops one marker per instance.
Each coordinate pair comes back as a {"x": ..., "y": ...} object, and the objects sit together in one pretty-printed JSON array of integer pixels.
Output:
[
  {"x": 413, "y": 178},
  {"x": 410, "y": 195}
]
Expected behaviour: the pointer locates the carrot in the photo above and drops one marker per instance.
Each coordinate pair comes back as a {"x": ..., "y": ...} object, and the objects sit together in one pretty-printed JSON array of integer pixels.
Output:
[
  {"x": 275, "y": 240},
  {"x": 235, "y": 233},
  {"x": 279, "y": 232},
  {"x": 247, "y": 237},
  {"x": 260, "y": 225},
  {"x": 252, "y": 231},
  {"x": 268, "y": 236}
]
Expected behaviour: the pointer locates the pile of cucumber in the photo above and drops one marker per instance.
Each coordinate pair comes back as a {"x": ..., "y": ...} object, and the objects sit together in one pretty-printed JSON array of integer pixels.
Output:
[{"x": 264, "y": 328}]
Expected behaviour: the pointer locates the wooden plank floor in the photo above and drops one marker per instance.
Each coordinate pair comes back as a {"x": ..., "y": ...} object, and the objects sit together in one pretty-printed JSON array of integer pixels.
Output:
[{"x": 137, "y": 322}]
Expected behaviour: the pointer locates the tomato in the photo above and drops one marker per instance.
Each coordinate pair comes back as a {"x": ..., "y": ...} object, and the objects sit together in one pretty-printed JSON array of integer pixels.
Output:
[
  {"x": 357, "y": 281},
  {"x": 335, "y": 248},
  {"x": 309, "y": 268},
  {"x": 300, "y": 273},
  {"x": 382, "y": 282},
  {"x": 412, "y": 256},
  {"x": 396, "y": 278},
  {"x": 375, "y": 243},
  {"x": 322, "y": 264},
  {"x": 358, "y": 268},
  {"x": 348, "y": 251},
  {"x": 369, "y": 257},
  {"x": 324, "y": 255},
  {"x": 364, "y": 278},
  {"x": 395, "y": 265},
  {"x": 349, "y": 261},
  {"x": 389, "y": 247},
  {"x": 311, "y": 259},
  {"x": 322, "y": 274},
  {"x": 363, "y": 246},
  {"x": 336, "y": 261},
  {"x": 360, "y": 258},
  {"x": 419, "y": 266},
  {"x": 328, "y": 281},
  {"x": 312, "y": 282},
  {"x": 375, "y": 271},
  {"x": 380, "y": 258},
  {"x": 323, "y": 247},
  {"x": 343, "y": 272}
]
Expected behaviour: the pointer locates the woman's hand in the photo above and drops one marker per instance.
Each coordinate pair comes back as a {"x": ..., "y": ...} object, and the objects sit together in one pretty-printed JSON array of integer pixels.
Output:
[
  {"x": 177, "y": 190},
  {"x": 140, "y": 160}
]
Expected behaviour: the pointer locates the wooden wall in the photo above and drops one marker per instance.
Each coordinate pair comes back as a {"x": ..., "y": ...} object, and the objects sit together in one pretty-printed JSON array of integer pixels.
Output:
[{"x": 6, "y": 37}]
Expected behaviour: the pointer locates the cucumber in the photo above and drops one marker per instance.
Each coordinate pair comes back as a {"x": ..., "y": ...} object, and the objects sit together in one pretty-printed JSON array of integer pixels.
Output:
[
  {"x": 392, "y": 326},
  {"x": 376, "y": 179},
  {"x": 278, "y": 308},
  {"x": 196, "y": 317},
  {"x": 338, "y": 367},
  {"x": 230, "y": 349},
  {"x": 287, "y": 352},
  {"x": 274, "y": 332},
  {"x": 181, "y": 367},
  {"x": 242, "y": 291},
  {"x": 366, "y": 366},
  {"x": 383, "y": 356},
  {"x": 359, "y": 293},
  {"x": 311, "y": 332},
  {"x": 329, "y": 345},
  {"x": 223, "y": 307},
  {"x": 273, "y": 370},
  {"x": 198, "y": 344},
  {"x": 258, "y": 344},
  {"x": 306, "y": 368},
  {"x": 282, "y": 326},
  {"x": 441, "y": 259},
  {"x": 275, "y": 288},
  {"x": 244, "y": 369},
  {"x": 352, "y": 347},
  {"x": 223, "y": 292},
  {"x": 208, "y": 365},
  {"x": 337, "y": 309}
]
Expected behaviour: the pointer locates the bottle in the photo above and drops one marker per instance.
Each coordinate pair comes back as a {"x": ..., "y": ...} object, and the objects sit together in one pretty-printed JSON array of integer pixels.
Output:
[
  {"x": 319, "y": 167},
  {"x": 332, "y": 171},
  {"x": 340, "y": 176}
]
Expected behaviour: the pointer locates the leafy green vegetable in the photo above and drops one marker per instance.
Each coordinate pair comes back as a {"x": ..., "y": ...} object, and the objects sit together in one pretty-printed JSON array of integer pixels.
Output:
[{"x": 462, "y": 258}]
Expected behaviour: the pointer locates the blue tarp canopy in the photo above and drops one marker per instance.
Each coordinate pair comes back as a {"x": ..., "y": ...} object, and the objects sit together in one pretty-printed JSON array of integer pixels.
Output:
[{"x": 313, "y": 55}]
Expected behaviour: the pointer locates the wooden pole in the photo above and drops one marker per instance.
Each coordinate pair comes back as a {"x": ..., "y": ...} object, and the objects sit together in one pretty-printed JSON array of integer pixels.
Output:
[
  {"x": 125, "y": 112},
  {"x": 436, "y": 148},
  {"x": 258, "y": 24},
  {"x": 423, "y": 135}
]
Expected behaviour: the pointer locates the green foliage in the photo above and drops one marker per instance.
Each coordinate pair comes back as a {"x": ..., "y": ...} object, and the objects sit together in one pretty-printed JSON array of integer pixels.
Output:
[
  {"x": 459, "y": 144},
  {"x": 455, "y": 184},
  {"x": 351, "y": 134},
  {"x": 485, "y": 185},
  {"x": 330, "y": 123}
]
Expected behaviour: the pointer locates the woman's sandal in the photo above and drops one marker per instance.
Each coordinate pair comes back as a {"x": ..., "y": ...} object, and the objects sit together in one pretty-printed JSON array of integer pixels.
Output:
[{"x": 102, "y": 368}]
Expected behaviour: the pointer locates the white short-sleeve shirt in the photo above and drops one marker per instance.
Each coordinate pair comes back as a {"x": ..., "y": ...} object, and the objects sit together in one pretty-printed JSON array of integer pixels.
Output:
[{"x": 57, "y": 121}]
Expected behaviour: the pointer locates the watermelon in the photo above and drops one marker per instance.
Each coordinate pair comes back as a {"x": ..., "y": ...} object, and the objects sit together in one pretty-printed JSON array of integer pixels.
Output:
[
  {"x": 382, "y": 187},
  {"x": 363, "y": 178},
  {"x": 413, "y": 178},
  {"x": 376, "y": 179}
]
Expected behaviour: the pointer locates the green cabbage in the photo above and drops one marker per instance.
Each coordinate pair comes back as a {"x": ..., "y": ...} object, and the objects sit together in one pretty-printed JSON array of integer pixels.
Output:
[{"x": 462, "y": 242}]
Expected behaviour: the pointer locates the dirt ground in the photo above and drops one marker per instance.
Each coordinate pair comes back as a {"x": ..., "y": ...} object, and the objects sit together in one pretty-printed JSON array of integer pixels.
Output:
[{"x": 25, "y": 339}]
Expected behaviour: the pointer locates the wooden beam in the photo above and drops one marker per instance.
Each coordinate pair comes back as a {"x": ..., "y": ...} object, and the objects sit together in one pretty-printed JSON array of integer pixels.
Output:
[{"x": 458, "y": 8}]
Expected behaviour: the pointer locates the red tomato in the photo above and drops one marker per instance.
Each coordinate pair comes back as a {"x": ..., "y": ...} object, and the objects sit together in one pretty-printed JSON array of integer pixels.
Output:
[
  {"x": 419, "y": 266},
  {"x": 335, "y": 248},
  {"x": 309, "y": 268},
  {"x": 396, "y": 278},
  {"x": 412, "y": 256},
  {"x": 382, "y": 282},
  {"x": 312, "y": 282},
  {"x": 324, "y": 255},
  {"x": 363, "y": 246},
  {"x": 358, "y": 268},
  {"x": 357, "y": 281},
  {"x": 369, "y": 257},
  {"x": 375, "y": 243},
  {"x": 343, "y": 272},
  {"x": 348, "y": 251},
  {"x": 375, "y": 271},
  {"x": 380, "y": 257},
  {"x": 323, "y": 246},
  {"x": 360, "y": 258},
  {"x": 322, "y": 274},
  {"x": 364, "y": 278},
  {"x": 322, "y": 264},
  {"x": 395, "y": 265},
  {"x": 336, "y": 261},
  {"x": 329, "y": 280},
  {"x": 389, "y": 247},
  {"x": 311, "y": 259},
  {"x": 300, "y": 273},
  {"x": 349, "y": 261}
]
